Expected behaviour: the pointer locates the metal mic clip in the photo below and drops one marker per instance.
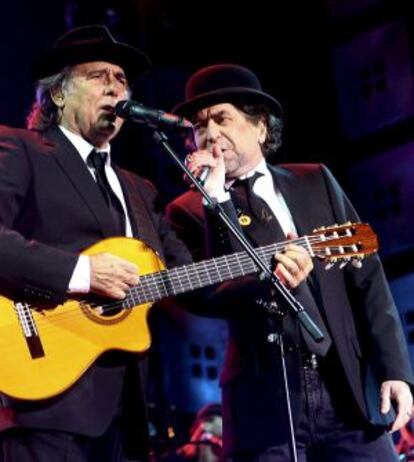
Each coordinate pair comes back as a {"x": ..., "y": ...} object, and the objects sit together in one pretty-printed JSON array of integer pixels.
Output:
[{"x": 204, "y": 174}]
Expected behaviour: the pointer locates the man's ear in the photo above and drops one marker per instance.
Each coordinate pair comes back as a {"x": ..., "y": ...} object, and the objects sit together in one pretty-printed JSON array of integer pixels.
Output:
[
  {"x": 58, "y": 97},
  {"x": 262, "y": 131}
]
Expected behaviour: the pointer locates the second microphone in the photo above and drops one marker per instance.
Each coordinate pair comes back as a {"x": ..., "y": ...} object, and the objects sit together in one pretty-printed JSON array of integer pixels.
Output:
[{"x": 137, "y": 112}]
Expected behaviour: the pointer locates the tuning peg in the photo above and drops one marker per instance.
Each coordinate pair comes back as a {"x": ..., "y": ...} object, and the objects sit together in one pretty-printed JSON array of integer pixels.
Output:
[
  {"x": 331, "y": 263},
  {"x": 357, "y": 263},
  {"x": 344, "y": 263}
]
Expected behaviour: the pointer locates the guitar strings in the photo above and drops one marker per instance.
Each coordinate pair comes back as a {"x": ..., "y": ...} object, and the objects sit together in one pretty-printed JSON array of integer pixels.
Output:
[{"x": 152, "y": 281}]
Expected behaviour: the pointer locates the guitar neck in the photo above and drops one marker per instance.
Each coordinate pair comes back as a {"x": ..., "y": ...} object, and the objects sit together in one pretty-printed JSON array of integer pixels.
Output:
[{"x": 155, "y": 286}]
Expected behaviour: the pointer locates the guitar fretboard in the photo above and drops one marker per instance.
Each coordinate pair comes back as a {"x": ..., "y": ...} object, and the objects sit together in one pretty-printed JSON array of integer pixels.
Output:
[
  {"x": 155, "y": 286},
  {"x": 335, "y": 243}
]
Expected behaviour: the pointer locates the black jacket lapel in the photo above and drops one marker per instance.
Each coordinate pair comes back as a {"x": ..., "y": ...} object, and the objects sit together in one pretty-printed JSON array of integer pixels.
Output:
[
  {"x": 302, "y": 199},
  {"x": 130, "y": 199},
  {"x": 288, "y": 185},
  {"x": 140, "y": 211},
  {"x": 71, "y": 162}
]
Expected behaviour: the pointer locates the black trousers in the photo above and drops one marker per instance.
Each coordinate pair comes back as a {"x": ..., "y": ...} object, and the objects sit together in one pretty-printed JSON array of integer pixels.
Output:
[
  {"x": 331, "y": 427},
  {"x": 32, "y": 445}
]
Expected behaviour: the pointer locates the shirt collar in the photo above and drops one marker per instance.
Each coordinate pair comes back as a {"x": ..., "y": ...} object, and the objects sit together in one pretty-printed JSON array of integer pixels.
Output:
[
  {"x": 261, "y": 167},
  {"x": 84, "y": 147}
]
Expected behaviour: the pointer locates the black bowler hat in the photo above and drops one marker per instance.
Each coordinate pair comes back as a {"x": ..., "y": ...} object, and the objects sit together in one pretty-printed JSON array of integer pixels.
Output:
[
  {"x": 90, "y": 43},
  {"x": 224, "y": 83}
]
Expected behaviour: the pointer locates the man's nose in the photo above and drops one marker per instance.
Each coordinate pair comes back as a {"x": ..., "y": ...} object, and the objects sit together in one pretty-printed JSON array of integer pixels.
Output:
[
  {"x": 212, "y": 134},
  {"x": 112, "y": 85}
]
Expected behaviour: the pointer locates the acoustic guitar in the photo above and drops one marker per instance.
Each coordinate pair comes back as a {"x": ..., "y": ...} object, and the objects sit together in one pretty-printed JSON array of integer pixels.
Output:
[{"x": 44, "y": 349}]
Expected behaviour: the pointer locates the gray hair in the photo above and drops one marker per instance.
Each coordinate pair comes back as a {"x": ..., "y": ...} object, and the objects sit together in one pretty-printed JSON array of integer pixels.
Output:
[{"x": 44, "y": 113}]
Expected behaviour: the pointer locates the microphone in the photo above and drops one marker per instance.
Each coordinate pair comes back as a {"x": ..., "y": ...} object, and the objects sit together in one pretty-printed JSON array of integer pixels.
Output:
[
  {"x": 204, "y": 174},
  {"x": 137, "y": 112},
  {"x": 206, "y": 169}
]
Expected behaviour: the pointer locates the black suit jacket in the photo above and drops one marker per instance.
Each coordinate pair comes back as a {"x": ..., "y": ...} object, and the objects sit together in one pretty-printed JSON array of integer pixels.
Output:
[
  {"x": 50, "y": 210},
  {"x": 359, "y": 310}
]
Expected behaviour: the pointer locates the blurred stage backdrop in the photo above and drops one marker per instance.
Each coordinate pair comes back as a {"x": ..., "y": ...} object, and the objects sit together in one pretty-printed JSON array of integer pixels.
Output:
[{"x": 343, "y": 71}]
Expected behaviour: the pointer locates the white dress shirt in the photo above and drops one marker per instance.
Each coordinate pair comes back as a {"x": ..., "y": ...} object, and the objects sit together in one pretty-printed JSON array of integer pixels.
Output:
[{"x": 266, "y": 189}]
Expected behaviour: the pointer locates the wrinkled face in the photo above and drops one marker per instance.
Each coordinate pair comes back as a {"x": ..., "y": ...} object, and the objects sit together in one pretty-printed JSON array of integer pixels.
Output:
[
  {"x": 88, "y": 101},
  {"x": 238, "y": 136}
]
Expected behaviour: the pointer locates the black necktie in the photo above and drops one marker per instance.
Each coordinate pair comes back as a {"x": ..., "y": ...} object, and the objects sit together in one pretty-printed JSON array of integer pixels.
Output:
[
  {"x": 255, "y": 216},
  {"x": 97, "y": 161},
  {"x": 260, "y": 224}
]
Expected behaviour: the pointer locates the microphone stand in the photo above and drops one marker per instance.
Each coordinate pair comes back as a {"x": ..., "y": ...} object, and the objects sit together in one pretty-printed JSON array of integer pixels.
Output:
[{"x": 294, "y": 305}]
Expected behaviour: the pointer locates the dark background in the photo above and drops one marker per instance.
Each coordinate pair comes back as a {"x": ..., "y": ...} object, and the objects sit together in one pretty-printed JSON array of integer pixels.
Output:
[{"x": 342, "y": 70}]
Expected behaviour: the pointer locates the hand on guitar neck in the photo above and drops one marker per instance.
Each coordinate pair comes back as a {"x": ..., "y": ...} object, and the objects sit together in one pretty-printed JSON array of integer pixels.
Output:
[
  {"x": 112, "y": 276},
  {"x": 293, "y": 264}
]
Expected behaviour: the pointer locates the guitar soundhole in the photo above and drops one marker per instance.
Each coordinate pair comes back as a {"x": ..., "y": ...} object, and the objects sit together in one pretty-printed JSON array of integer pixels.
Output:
[
  {"x": 107, "y": 310},
  {"x": 104, "y": 311}
]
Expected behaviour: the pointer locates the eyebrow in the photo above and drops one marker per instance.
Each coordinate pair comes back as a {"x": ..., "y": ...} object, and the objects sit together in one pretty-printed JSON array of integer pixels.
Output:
[
  {"x": 101, "y": 70},
  {"x": 212, "y": 115}
]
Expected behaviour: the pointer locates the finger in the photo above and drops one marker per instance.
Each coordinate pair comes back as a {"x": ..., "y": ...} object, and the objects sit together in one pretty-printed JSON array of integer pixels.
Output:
[
  {"x": 385, "y": 398},
  {"x": 291, "y": 236},
  {"x": 196, "y": 167},
  {"x": 404, "y": 410},
  {"x": 116, "y": 293},
  {"x": 402, "y": 419},
  {"x": 131, "y": 280},
  {"x": 122, "y": 280},
  {"x": 115, "y": 284},
  {"x": 200, "y": 156},
  {"x": 285, "y": 276},
  {"x": 301, "y": 258},
  {"x": 119, "y": 287},
  {"x": 296, "y": 248},
  {"x": 129, "y": 268},
  {"x": 298, "y": 270},
  {"x": 288, "y": 262},
  {"x": 127, "y": 276},
  {"x": 299, "y": 261}
]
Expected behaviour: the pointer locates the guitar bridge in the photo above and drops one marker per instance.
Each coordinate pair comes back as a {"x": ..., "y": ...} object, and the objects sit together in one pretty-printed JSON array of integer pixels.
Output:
[{"x": 29, "y": 329}]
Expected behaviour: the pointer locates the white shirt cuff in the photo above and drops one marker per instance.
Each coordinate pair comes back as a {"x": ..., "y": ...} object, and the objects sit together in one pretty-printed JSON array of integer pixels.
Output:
[
  {"x": 219, "y": 196},
  {"x": 80, "y": 282}
]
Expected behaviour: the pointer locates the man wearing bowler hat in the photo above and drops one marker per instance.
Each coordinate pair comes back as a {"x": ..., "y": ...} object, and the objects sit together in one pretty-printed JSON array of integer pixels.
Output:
[
  {"x": 59, "y": 194},
  {"x": 343, "y": 388}
]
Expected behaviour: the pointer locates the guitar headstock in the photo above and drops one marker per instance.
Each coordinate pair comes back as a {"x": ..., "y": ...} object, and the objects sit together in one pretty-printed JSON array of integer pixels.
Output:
[{"x": 350, "y": 242}]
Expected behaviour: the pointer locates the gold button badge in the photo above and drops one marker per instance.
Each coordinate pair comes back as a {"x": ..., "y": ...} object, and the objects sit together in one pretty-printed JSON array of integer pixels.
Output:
[{"x": 244, "y": 220}]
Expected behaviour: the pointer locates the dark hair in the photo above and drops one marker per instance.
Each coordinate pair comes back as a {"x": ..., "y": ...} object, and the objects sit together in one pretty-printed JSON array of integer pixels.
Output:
[{"x": 255, "y": 113}]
